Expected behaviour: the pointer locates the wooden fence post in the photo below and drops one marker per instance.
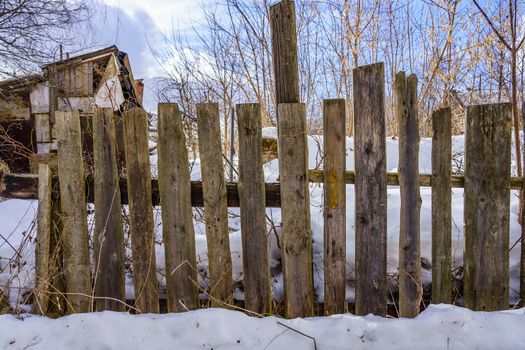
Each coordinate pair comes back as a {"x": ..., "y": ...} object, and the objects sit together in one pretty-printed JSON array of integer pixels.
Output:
[
  {"x": 252, "y": 196},
  {"x": 109, "y": 259},
  {"x": 370, "y": 190},
  {"x": 410, "y": 287},
  {"x": 57, "y": 304},
  {"x": 295, "y": 211},
  {"x": 334, "y": 166},
  {"x": 487, "y": 201},
  {"x": 284, "y": 52},
  {"x": 138, "y": 174},
  {"x": 73, "y": 204},
  {"x": 441, "y": 206},
  {"x": 42, "y": 247},
  {"x": 177, "y": 220},
  {"x": 215, "y": 205},
  {"x": 522, "y": 259}
]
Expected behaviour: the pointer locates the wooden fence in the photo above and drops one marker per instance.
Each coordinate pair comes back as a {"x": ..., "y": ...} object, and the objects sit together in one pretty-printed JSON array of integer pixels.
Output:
[{"x": 487, "y": 184}]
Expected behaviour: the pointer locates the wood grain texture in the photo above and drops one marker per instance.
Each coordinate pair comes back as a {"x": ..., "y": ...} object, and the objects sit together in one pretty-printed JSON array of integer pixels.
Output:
[
  {"x": 42, "y": 246},
  {"x": 215, "y": 205},
  {"x": 487, "y": 201},
  {"x": 177, "y": 220},
  {"x": 256, "y": 265},
  {"x": 140, "y": 211},
  {"x": 370, "y": 189},
  {"x": 522, "y": 259},
  {"x": 295, "y": 211},
  {"x": 284, "y": 52},
  {"x": 410, "y": 287},
  {"x": 57, "y": 305},
  {"x": 442, "y": 206},
  {"x": 334, "y": 210},
  {"x": 73, "y": 201},
  {"x": 108, "y": 237}
]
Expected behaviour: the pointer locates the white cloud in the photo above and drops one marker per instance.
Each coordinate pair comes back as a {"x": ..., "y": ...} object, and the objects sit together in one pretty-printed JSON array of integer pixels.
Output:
[{"x": 164, "y": 13}]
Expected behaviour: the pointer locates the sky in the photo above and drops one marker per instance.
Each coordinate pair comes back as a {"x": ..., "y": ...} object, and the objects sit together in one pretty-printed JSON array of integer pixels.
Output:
[{"x": 136, "y": 25}]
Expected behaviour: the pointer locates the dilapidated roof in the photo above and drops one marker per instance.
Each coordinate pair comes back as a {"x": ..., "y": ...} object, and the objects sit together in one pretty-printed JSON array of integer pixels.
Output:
[
  {"x": 20, "y": 84},
  {"x": 131, "y": 90}
]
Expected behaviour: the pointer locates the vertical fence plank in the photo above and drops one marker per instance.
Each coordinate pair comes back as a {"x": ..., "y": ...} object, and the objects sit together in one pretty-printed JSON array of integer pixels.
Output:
[
  {"x": 522, "y": 259},
  {"x": 252, "y": 197},
  {"x": 284, "y": 52},
  {"x": 370, "y": 189},
  {"x": 73, "y": 204},
  {"x": 43, "y": 238},
  {"x": 109, "y": 260},
  {"x": 177, "y": 220},
  {"x": 215, "y": 205},
  {"x": 295, "y": 211},
  {"x": 57, "y": 304},
  {"x": 140, "y": 212},
  {"x": 487, "y": 201},
  {"x": 410, "y": 287},
  {"x": 334, "y": 166},
  {"x": 441, "y": 206}
]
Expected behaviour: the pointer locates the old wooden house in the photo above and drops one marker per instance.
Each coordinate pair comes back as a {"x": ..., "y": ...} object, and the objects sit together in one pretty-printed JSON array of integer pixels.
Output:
[{"x": 101, "y": 78}]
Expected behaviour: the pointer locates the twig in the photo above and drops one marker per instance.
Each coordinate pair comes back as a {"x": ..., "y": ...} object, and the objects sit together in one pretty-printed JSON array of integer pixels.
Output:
[{"x": 299, "y": 332}]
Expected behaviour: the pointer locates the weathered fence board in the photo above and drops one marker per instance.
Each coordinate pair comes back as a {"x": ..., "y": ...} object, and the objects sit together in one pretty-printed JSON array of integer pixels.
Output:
[
  {"x": 177, "y": 220},
  {"x": 442, "y": 206},
  {"x": 42, "y": 247},
  {"x": 140, "y": 210},
  {"x": 108, "y": 236},
  {"x": 410, "y": 287},
  {"x": 75, "y": 234},
  {"x": 295, "y": 211},
  {"x": 487, "y": 200},
  {"x": 334, "y": 214},
  {"x": 284, "y": 52},
  {"x": 522, "y": 259},
  {"x": 256, "y": 266},
  {"x": 57, "y": 304},
  {"x": 215, "y": 205},
  {"x": 370, "y": 190}
]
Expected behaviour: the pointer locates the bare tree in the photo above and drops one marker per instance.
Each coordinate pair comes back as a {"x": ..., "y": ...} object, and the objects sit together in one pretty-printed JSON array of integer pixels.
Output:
[{"x": 30, "y": 30}]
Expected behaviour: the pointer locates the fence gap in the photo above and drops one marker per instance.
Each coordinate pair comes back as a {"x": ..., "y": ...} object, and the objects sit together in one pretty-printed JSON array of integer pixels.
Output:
[
  {"x": 487, "y": 201},
  {"x": 410, "y": 287},
  {"x": 215, "y": 205},
  {"x": 252, "y": 197},
  {"x": 108, "y": 237},
  {"x": 42, "y": 247},
  {"x": 73, "y": 205},
  {"x": 334, "y": 166},
  {"x": 177, "y": 220},
  {"x": 370, "y": 190},
  {"x": 295, "y": 211},
  {"x": 140, "y": 211},
  {"x": 441, "y": 206}
]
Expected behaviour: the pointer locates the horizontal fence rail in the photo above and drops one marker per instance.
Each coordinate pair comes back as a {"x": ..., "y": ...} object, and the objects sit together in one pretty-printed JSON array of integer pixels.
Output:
[{"x": 25, "y": 186}]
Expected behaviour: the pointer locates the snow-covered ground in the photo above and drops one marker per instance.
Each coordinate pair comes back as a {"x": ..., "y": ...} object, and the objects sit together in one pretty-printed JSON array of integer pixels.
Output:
[{"x": 438, "y": 327}]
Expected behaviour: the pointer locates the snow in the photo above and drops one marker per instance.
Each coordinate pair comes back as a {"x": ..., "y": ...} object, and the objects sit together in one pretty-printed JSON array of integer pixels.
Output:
[{"x": 438, "y": 327}]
